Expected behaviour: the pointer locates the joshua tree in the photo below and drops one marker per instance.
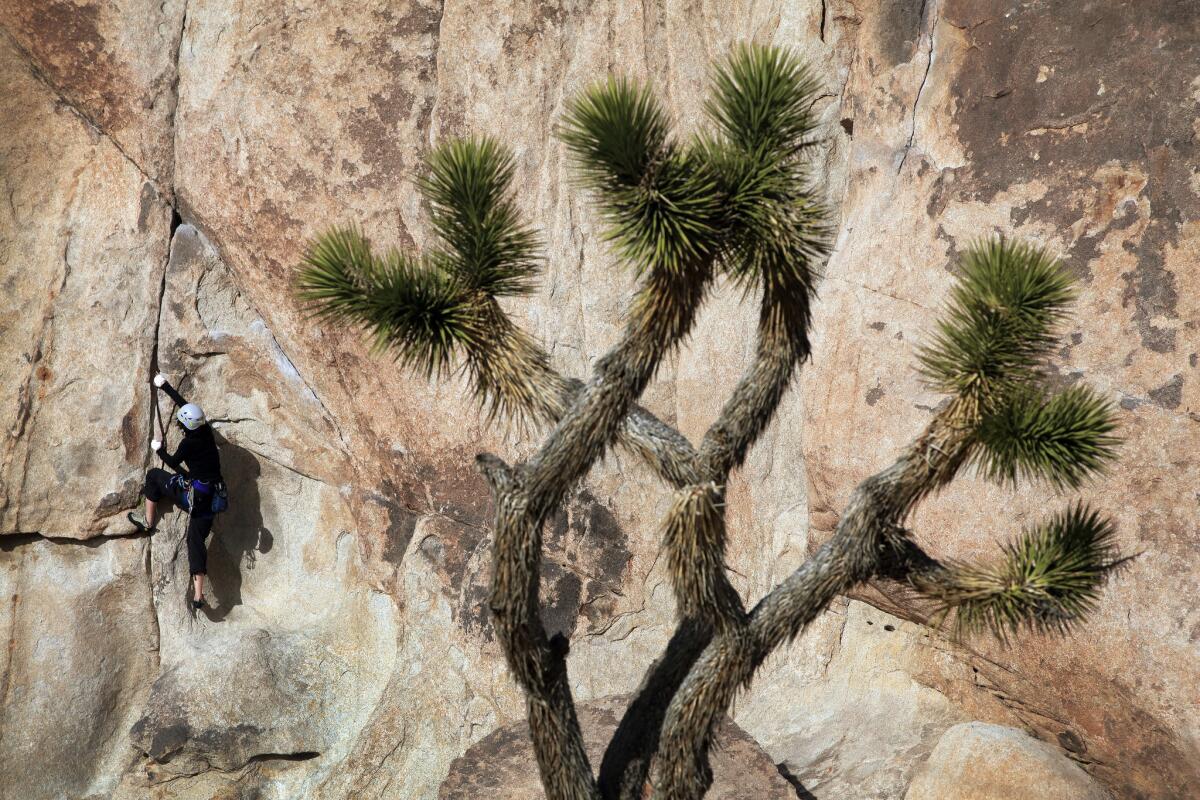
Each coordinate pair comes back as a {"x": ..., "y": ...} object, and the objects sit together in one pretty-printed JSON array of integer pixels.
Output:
[{"x": 736, "y": 200}]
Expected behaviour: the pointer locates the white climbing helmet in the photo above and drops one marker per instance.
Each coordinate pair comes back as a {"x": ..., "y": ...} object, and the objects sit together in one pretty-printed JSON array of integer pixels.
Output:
[{"x": 191, "y": 416}]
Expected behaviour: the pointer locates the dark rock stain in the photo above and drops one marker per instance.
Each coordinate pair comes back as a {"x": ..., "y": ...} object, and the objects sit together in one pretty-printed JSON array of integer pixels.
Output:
[
  {"x": 1169, "y": 395},
  {"x": 396, "y": 114},
  {"x": 952, "y": 252},
  {"x": 169, "y": 740},
  {"x": 1141, "y": 121},
  {"x": 453, "y": 486},
  {"x": 585, "y": 559},
  {"x": 560, "y": 600},
  {"x": 402, "y": 522},
  {"x": 130, "y": 436},
  {"x": 1150, "y": 288},
  {"x": 147, "y": 201},
  {"x": 899, "y": 30},
  {"x": 874, "y": 395}
]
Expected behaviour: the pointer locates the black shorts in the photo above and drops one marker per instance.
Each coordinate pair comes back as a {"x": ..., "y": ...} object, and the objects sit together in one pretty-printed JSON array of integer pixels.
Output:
[{"x": 159, "y": 485}]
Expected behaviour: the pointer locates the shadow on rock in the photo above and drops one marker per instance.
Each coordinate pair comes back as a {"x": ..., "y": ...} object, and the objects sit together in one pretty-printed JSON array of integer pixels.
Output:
[{"x": 239, "y": 535}]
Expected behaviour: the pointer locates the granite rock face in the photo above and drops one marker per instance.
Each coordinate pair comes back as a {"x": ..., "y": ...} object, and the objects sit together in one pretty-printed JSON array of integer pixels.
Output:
[
  {"x": 83, "y": 243},
  {"x": 284, "y": 663},
  {"x": 162, "y": 165}
]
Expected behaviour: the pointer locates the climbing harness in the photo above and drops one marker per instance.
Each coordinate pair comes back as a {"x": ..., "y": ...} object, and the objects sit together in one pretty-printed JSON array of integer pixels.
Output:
[{"x": 189, "y": 489}]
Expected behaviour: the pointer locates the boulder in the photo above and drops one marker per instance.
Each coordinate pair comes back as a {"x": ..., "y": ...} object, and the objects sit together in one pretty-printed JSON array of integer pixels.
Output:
[
  {"x": 502, "y": 764},
  {"x": 861, "y": 726},
  {"x": 977, "y": 761}
]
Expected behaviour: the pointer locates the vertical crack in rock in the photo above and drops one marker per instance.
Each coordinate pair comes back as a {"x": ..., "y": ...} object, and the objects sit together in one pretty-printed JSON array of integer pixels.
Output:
[
  {"x": 176, "y": 221},
  {"x": 155, "y": 413},
  {"x": 175, "y": 94},
  {"x": 924, "y": 78}
]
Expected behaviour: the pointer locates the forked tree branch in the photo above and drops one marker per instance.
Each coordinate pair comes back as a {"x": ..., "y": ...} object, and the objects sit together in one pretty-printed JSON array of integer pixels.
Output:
[
  {"x": 861, "y": 546},
  {"x": 708, "y": 601},
  {"x": 525, "y": 499}
]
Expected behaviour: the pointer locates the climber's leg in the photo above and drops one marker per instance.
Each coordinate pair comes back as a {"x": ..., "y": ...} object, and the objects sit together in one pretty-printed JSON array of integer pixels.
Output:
[
  {"x": 197, "y": 532},
  {"x": 155, "y": 489}
]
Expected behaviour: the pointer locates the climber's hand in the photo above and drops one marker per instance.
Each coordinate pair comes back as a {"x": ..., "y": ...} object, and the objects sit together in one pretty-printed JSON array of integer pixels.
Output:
[
  {"x": 155, "y": 445},
  {"x": 160, "y": 379}
]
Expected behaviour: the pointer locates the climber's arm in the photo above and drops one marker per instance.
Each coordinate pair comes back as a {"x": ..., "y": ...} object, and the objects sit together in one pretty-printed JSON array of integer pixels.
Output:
[
  {"x": 175, "y": 460},
  {"x": 171, "y": 391}
]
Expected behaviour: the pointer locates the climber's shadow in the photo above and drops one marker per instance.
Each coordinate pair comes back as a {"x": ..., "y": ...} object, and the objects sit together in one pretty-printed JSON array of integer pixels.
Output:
[{"x": 238, "y": 535}]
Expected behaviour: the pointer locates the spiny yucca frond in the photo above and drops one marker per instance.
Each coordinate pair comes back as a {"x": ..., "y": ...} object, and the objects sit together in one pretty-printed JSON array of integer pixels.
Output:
[
  {"x": 1001, "y": 321},
  {"x": 778, "y": 231},
  {"x": 1062, "y": 439},
  {"x": 472, "y": 210},
  {"x": 616, "y": 130},
  {"x": 417, "y": 310},
  {"x": 659, "y": 199},
  {"x": 1048, "y": 581},
  {"x": 762, "y": 100}
]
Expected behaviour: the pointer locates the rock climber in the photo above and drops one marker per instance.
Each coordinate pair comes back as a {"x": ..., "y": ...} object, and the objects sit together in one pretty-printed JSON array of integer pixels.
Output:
[{"x": 195, "y": 487}]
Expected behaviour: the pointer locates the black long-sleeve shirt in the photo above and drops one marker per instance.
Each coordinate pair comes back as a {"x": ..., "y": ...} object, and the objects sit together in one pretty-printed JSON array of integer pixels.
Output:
[{"x": 198, "y": 450}]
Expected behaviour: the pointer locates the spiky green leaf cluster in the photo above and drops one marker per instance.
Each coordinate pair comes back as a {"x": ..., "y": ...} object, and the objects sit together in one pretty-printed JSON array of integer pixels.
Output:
[
  {"x": 660, "y": 200},
  {"x": 467, "y": 187},
  {"x": 425, "y": 308},
  {"x": 1001, "y": 321},
  {"x": 778, "y": 232},
  {"x": 1048, "y": 581},
  {"x": 416, "y": 309},
  {"x": 762, "y": 100},
  {"x": 1063, "y": 439}
]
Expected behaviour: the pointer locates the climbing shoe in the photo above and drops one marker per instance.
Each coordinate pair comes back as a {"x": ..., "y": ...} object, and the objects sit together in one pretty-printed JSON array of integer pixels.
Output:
[
  {"x": 197, "y": 604},
  {"x": 138, "y": 518}
]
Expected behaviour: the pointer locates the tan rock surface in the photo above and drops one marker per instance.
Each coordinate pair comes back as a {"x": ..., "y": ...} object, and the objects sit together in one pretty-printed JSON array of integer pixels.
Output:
[
  {"x": 83, "y": 241},
  {"x": 112, "y": 64},
  {"x": 861, "y": 726},
  {"x": 356, "y": 554},
  {"x": 976, "y": 761}
]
